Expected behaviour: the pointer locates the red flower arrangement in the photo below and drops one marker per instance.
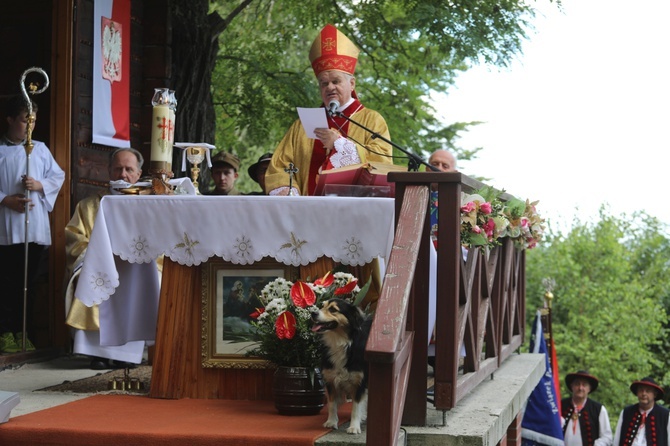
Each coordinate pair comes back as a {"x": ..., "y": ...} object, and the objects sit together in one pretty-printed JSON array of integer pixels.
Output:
[{"x": 283, "y": 325}]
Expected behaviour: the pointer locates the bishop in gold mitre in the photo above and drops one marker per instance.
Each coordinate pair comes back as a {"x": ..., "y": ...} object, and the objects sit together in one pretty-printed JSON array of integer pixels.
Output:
[{"x": 333, "y": 57}]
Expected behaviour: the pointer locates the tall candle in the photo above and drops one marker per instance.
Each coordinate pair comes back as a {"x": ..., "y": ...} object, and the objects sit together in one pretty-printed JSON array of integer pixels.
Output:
[{"x": 162, "y": 133}]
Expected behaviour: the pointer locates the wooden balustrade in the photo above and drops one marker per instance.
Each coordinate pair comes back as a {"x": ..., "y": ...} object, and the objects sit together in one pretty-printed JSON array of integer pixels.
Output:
[{"x": 480, "y": 308}]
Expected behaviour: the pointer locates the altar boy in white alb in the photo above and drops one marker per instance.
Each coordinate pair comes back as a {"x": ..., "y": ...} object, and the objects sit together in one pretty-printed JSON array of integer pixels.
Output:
[{"x": 43, "y": 183}]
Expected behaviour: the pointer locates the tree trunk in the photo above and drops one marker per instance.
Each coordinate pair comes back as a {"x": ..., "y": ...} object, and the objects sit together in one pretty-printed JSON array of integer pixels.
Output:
[{"x": 194, "y": 47}]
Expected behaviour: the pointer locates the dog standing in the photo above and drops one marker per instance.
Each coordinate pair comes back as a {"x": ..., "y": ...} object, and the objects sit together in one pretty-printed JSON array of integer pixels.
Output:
[{"x": 344, "y": 330}]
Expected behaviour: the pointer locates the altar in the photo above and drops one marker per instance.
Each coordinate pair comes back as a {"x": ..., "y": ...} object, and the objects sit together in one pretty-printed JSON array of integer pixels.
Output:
[{"x": 131, "y": 232}]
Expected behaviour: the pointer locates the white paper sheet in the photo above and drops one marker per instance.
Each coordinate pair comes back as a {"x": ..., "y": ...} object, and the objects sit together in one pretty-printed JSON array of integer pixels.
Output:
[{"x": 313, "y": 118}]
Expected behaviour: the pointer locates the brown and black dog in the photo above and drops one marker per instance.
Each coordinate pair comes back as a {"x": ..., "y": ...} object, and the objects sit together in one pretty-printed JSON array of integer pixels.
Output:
[{"x": 344, "y": 330}]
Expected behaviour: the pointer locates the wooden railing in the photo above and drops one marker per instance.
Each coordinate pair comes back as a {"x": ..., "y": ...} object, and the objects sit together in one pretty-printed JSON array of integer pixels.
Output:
[{"x": 480, "y": 308}]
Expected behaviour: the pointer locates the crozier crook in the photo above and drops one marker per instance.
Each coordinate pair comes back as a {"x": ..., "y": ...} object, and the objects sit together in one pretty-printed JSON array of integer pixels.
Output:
[{"x": 28, "y": 144}]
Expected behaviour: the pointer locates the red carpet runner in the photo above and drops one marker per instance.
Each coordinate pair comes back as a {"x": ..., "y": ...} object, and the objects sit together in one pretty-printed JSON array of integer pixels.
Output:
[{"x": 139, "y": 420}]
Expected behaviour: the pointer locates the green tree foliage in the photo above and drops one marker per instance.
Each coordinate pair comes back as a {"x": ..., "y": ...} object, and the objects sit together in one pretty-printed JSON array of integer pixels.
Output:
[
  {"x": 609, "y": 311},
  {"x": 409, "y": 49}
]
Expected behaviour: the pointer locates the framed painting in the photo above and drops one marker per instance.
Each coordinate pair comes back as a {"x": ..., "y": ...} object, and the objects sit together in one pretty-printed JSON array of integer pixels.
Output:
[{"x": 230, "y": 293}]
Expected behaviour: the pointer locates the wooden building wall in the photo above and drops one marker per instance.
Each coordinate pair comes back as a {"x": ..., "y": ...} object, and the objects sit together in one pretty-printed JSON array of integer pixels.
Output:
[{"x": 27, "y": 43}]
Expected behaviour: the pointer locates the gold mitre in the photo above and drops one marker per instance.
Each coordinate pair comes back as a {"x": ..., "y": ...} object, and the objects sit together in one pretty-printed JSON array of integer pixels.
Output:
[{"x": 332, "y": 50}]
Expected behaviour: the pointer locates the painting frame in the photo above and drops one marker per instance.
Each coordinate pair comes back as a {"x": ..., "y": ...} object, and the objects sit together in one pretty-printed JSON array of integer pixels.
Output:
[{"x": 229, "y": 295}]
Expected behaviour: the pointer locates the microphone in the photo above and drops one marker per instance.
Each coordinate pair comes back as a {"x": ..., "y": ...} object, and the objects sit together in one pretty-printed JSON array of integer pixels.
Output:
[{"x": 333, "y": 106}]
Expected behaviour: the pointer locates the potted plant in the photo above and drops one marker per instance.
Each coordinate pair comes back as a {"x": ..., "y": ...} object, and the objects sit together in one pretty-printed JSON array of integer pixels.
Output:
[{"x": 285, "y": 338}]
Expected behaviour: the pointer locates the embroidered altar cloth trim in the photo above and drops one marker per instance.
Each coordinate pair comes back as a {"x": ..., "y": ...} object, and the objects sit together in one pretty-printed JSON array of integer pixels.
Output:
[{"x": 240, "y": 229}]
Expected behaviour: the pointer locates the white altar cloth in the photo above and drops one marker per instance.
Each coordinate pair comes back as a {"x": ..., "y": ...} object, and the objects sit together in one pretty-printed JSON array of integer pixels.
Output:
[{"x": 241, "y": 229}]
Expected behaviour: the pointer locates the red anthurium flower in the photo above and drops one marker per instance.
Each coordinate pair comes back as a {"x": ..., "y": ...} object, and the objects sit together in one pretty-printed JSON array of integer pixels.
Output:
[
  {"x": 285, "y": 325},
  {"x": 257, "y": 313},
  {"x": 302, "y": 295},
  {"x": 348, "y": 288},
  {"x": 326, "y": 280}
]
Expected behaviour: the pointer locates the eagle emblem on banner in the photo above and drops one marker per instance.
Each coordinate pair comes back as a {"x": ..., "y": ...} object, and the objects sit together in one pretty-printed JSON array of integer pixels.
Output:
[{"x": 111, "y": 50}]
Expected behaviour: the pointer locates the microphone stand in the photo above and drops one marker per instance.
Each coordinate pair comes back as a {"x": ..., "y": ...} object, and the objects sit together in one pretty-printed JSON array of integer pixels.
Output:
[
  {"x": 414, "y": 160},
  {"x": 28, "y": 145}
]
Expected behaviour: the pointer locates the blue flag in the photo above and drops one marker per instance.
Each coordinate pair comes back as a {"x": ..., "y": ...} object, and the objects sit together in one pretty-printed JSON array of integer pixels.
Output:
[{"x": 541, "y": 423}]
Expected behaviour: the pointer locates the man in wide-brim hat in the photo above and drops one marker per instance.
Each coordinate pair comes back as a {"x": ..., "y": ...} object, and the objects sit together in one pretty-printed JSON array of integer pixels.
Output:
[
  {"x": 644, "y": 423},
  {"x": 257, "y": 172},
  {"x": 585, "y": 421},
  {"x": 333, "y": 57}
]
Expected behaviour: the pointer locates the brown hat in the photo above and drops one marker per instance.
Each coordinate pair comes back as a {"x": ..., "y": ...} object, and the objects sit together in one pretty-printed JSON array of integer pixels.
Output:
[
  {"x": 266, "y": 157},
  {"x": 332, "y": 50},
  {"x": 649, "y": 382},
  {"x": 592, "y": 380},
  {"x": 226, "y": 158}
]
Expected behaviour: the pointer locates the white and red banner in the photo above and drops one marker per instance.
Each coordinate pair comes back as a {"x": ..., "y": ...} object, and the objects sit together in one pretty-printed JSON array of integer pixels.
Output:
[{"x": 111, "y": 73}]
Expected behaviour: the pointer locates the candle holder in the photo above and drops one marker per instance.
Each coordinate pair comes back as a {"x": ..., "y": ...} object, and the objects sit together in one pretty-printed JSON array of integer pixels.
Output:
[
  {"x": 195, "y": 153},
  {"x": 164, "y": 105},
  {"x": 125, "y": 383},
  {"x": 160, "y": 182}
]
